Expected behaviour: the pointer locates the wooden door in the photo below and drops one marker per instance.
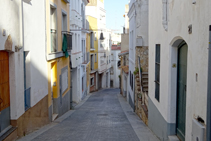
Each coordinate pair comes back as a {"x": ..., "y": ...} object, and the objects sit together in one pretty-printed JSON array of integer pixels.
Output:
[
  {"x": 181, "y": 90},
  {"x": 4, "y": 91}
]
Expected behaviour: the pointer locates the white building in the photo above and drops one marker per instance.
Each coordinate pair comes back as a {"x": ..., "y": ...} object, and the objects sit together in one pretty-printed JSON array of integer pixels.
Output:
[
  {"x": 178, "y": 64},
  {"x": 78, "y": 53},
  {"x": 116, "y": 38},
  {"x": 115, "y": 64},
  {"x": 23, "y": 76},
  {"x": 138, "y": 36},
  {"x": 104, "y": 47}
]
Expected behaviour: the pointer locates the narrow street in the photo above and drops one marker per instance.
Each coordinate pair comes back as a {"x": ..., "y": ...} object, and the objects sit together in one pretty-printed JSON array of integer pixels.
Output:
[{"x": 103, "y": 116}]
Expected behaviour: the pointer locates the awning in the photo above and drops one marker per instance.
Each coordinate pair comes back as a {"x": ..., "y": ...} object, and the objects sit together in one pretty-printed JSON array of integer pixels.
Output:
[{"x": 123, "y": 53}]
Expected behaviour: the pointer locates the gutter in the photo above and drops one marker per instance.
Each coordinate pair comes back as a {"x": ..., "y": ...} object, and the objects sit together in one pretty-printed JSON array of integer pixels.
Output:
[{"x": 208, "y": 135}]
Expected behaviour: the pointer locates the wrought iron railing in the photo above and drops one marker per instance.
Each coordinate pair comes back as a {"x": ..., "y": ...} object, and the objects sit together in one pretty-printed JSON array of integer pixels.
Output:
[{"x": 69, "y": 39}]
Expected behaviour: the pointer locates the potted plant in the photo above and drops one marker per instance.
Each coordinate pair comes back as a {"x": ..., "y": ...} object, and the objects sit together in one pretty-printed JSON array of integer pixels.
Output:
[
  {"x": 139, "y": 96},
  {"x": 136, "y": 71}
]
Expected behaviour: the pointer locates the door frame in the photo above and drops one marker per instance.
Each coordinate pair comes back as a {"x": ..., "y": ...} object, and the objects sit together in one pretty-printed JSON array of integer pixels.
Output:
[
  {"x": 172, "y": 102},
  {"x": 182, "y": 44}
]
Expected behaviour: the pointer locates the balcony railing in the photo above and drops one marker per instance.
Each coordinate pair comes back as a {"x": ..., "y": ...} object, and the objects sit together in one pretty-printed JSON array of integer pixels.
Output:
[
  {"x": 53, "y": 40},
  {"x": 69, "y": 39}
]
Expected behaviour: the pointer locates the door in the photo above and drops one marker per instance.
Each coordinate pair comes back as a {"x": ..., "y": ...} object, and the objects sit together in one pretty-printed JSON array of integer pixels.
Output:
[
  {"x": 4, "y": 91},
  {"x": 181, "y": 90},
  {"x": 100, "y": 80},
  {"x": 106, "y": 80}
]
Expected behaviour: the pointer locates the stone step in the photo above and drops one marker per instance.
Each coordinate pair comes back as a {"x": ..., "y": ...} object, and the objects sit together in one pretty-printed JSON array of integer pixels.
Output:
[
  {"x": 144, "y": 77},
  {"x": 145, "y": 85},
  {"x": 145, "y": 89},
  {"x": 10, "y": 134},
  {"x": 173, "y": 138},
  {"x": 145, "y": 81},
  {"x": 145, "y": 72}
]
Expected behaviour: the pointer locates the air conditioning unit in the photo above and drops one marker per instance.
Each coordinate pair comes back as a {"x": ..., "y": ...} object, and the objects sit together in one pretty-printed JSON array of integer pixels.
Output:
[{"x": 198, "y": 131}]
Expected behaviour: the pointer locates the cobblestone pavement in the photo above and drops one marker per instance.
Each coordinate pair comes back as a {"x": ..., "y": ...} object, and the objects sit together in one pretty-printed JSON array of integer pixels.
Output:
[{"x": 100, "y": 118}]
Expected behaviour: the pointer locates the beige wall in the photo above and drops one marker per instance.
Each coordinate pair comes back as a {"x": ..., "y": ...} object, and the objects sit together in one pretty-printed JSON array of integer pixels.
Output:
[{"x": 125, "y": 42}]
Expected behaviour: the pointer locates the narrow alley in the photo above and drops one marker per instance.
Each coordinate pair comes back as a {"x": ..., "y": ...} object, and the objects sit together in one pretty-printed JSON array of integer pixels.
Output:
[{"x": 104, "y": 115}]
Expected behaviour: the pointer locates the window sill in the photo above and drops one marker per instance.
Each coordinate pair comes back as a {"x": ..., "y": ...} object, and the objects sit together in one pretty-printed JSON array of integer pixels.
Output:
[
  {"x": 92, "y": 49},
  {"x": 55, "y": 55}
]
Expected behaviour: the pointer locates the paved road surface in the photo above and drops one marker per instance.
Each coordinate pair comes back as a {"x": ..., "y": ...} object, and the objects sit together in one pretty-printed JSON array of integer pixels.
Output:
[{"x": 104, "y": 116}]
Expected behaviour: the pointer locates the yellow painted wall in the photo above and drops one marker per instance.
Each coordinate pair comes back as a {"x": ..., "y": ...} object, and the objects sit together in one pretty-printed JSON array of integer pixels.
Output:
[
  {"x": 88, "y": 65},
  {"x": 93, "y": 26},
  {"x": 61, "y": 5},
  {"x": 55, "y": 66}
]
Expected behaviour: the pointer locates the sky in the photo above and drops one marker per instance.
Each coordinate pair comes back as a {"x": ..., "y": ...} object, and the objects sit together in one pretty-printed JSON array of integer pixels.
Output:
[{"x": 115, "y": 9}]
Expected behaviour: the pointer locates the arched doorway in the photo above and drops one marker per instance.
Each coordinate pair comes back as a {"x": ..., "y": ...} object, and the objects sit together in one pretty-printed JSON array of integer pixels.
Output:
[
  {"x": 178, "y": 86},
  {"x": 181, "y": 90}
]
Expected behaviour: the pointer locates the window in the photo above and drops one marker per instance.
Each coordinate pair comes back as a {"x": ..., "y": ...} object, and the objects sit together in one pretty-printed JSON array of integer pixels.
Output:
[
  {"x": 92, "y": 62},
  {"x": 82, "y": 84},
  {"x": 112, "y": 70},
  {"x": 27, "y": 80},
  {"x": 131, "y": 81},
  {"x": 165, "y": 14},
  {"x": 53, "y": 25},
  {"x": 92, "y": 40},
  {"x": 124, "y": 60},
  {"x": 157, "y": 72},
  {"x": 92, "y": 81},
  {"x": 64, "y": 21},
  {"x": 95, "y": 58}
]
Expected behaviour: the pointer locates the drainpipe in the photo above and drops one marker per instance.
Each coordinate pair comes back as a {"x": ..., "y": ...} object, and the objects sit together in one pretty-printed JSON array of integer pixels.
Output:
[{"x": 209, "y": 91}]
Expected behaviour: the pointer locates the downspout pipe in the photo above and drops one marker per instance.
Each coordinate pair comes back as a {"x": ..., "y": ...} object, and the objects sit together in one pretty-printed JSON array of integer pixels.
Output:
[{"x": 209, "y": 91}]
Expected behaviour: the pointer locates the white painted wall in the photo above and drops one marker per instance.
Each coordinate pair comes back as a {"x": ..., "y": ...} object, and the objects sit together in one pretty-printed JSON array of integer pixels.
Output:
[
  {"x": 34, "y": 42},
  {"x": 19, "y": 22},
  {"x": 132, "y": 35},
  {"x": 199, "y": 16},
  {"x": 76, "y": 53},
  {"x": 116, "y": 70}
]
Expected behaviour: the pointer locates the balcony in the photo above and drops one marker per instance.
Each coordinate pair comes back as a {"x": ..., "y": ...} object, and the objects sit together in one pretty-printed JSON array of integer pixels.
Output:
[
  {"x": 75, "y": 19},
  {"x": 69, "y": 39},
  {"x": 76, "y": 58},
  {"x": 86, "y": 58}
]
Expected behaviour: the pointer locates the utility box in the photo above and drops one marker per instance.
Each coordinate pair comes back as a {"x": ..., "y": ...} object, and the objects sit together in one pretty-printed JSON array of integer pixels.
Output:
[{"x": 198, "y": 131}]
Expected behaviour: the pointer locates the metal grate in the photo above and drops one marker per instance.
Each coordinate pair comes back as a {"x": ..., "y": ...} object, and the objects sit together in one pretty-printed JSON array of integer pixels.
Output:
[{"x": 69, "y": 42}]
